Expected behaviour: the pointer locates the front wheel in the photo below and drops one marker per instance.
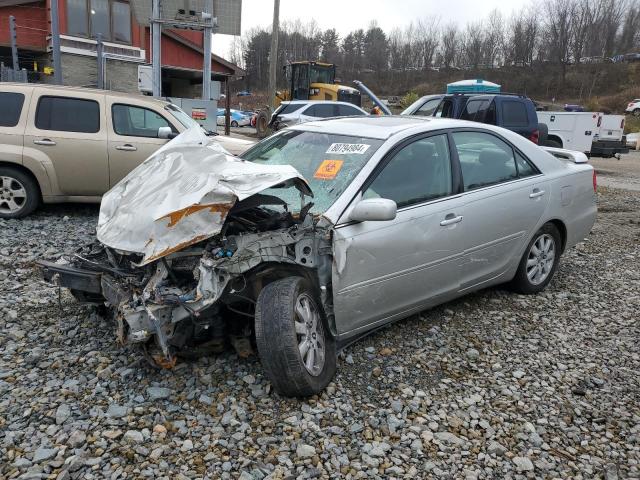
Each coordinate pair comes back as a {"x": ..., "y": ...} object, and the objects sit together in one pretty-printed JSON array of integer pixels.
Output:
[
  {"x": 234, "y": 124},
  {"x": 297, "y": 351},
  {"x": 636, "y": 112},
  {"x": 19, "y": 194},
  {"x": 539, "y": 262}
]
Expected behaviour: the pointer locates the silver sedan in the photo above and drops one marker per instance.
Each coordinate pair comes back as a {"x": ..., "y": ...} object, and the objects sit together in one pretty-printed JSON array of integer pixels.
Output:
[{"x": 406, "y": 213}]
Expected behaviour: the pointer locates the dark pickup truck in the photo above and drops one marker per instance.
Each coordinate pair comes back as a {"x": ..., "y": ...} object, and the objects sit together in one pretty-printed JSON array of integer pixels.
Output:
[{"x": 511, "y": 111}]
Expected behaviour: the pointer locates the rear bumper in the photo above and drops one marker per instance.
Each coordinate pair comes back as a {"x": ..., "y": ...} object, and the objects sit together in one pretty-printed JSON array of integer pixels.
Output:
[{"x": 608, "y": 148}]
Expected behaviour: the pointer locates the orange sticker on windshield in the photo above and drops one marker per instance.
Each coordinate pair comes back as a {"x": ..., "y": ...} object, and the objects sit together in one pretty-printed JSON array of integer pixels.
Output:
[{"x": 328, "y": 169}]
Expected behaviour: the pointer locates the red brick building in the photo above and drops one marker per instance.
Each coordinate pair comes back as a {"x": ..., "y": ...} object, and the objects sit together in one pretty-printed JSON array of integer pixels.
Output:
[{"x": 126, "y": 45}]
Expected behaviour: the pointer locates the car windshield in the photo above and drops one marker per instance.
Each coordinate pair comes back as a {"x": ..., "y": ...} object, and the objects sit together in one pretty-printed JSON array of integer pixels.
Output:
[
  {"x": 328, "y": 162},
  {"x": 181, "y": 116}
]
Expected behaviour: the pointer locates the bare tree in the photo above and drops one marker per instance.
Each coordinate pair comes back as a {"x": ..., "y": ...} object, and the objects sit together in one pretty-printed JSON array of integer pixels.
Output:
[
  {"x": 473, "y": 44},
  {"x": 558, "y": 23},
  {"x": 450, "y": 44},
  {"x": 493, "y": 39}
]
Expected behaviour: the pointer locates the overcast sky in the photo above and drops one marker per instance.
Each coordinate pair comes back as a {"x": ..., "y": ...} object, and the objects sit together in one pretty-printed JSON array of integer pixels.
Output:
[{"x": 348, "y": 15}]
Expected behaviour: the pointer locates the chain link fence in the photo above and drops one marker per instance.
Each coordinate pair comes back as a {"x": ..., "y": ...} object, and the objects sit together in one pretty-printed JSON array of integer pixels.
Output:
[{"x": 10, "y": 75}]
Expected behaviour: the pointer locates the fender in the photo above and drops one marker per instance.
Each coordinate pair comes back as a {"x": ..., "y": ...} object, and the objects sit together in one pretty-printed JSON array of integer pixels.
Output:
[{"x": 42, "y": 168}]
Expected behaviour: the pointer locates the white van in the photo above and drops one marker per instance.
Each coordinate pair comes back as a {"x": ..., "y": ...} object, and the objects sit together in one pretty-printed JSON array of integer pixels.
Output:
[{"x": 609, "y": 140}]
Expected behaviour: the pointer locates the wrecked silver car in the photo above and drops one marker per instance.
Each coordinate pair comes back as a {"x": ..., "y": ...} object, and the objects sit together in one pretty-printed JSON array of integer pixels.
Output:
[{"x": 320, "y": 234}]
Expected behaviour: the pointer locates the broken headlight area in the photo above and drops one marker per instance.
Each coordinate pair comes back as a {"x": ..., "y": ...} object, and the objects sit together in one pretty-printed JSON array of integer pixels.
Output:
[{"x": 202, "y": 298}]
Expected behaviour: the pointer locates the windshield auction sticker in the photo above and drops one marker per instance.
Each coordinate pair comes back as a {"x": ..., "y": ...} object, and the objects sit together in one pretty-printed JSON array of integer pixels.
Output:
[
  {"x": 347, "y": 148},
  {"x": 328, "y": 169}
]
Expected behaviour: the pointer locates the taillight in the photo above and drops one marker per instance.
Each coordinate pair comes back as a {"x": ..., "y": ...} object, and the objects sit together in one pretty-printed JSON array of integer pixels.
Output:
[
  {"x": 599, "y": 121},
  {"x": 535, "y": 136},
  {"x": 595, "y": 182}
]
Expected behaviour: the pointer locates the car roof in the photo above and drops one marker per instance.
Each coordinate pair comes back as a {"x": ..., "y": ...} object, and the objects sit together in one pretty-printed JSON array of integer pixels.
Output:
[
  {"x": 380, "y": 127},
  {"x": 330, "y": 102},
  {"x": 65, "y": 88}
]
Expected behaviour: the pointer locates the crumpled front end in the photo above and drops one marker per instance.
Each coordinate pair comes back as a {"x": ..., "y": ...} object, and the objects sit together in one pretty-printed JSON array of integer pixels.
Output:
[{"x": 180, "y": 263}]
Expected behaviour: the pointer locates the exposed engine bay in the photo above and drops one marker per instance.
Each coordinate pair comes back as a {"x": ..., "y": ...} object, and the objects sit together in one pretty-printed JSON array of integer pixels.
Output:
[{"x": 201, "y": 298}]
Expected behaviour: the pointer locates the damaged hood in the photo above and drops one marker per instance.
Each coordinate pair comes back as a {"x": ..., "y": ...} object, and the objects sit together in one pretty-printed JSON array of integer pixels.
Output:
[{"x": 181, "y": 195}]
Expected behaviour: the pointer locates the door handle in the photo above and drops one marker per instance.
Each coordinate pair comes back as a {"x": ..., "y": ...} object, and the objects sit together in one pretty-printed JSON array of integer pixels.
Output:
[
  {"x": 126, "y": 147},
  {"x": 536, "y": 193},
  {"x": 45, "y": 141},
  {"x": 450, "y": 220}
]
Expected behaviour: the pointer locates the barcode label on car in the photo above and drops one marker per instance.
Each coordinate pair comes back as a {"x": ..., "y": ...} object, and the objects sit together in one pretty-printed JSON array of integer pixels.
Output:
[{"x": 347, "y": 148}]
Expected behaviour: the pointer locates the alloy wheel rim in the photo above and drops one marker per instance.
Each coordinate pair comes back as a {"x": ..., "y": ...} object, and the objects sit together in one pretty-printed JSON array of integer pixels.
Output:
[
  {"x": 13, "y": 195},
  {"x": 309, "y": 334},
  {"x": 540, "y": 259}
]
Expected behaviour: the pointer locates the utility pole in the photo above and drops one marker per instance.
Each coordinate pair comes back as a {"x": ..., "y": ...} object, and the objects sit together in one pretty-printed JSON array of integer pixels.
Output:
[
  {"x": 14, "y": 42},
  {"x": 99, "y": 55},
  {"x": 156, "y": 59},
  {"x": 55, "y": 43},
  {"x": 207, "y": 15},
  {"x": 273, "y": 54}
]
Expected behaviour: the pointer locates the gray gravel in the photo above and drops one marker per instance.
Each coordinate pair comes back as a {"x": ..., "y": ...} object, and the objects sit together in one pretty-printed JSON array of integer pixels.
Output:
[{"x": 494, "y": 385}]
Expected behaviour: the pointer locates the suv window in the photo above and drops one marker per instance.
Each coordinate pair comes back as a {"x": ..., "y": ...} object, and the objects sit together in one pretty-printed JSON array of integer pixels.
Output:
[
  {"x": 475, "y": 110},
  {"x": 324, "y": 110},
  {"x": 428, "y": 107},
  {"x": 344, "y": 110},
  {"x": 419, "y": 172},
  {"x": 514, "y": 114},
  {"x": 65, "y": 114},
  {"x": 445, "y": 109},
  {"x": 484, "y": 159},
  {"x": 135, "y": 121},
  {"x": 11, "y": 107}
]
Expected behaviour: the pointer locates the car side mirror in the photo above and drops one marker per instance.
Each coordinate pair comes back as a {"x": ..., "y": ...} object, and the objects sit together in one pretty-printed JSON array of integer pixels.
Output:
[
  {"x": 374, "y": 209},
  {"x": 166, "y": 133}
]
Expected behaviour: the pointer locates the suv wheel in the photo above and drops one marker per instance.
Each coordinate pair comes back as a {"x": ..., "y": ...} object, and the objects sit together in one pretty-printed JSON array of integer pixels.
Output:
[
  {"x": 539, "y": 262},
  {"x": 19, "y": 194},
  {"x": 554, "y": 144},
  {"x": 296, "y": 349}
]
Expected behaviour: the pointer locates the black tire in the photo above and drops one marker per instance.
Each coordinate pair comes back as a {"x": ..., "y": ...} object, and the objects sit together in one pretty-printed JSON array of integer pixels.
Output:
[
  {"x": 521, "y": 283},
  {"x": 234, "y": 123},
  {"x": 17, "y": 178},
  {"x": 278, "y": 341},
  {"x": 553, "y": 143}
]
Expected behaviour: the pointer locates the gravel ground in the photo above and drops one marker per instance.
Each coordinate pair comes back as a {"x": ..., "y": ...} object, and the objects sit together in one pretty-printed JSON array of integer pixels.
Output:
[
  {"x": 623, "y": 173},
  {"x": 495, "y": 385}
]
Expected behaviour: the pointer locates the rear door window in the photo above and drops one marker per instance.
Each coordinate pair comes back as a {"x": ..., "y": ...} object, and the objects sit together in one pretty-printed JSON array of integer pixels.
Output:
[
  {"x": 135, "y": 121},
  {"x": 345, "y": 110},
  {"x": 514, "y": 114},
  {"x": 10, "y": 108},
  {"x": 65, "y": 114},
  {"x": 323, "y": 110},
  {"x": 475, "y": 110}
]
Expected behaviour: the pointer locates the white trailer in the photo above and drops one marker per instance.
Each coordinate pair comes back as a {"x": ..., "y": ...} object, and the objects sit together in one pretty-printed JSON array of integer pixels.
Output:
[{"x": 570, "y": 130}]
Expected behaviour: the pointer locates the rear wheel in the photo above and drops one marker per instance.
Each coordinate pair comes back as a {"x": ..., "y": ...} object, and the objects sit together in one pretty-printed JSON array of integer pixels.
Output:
[
  {"x": 234, "y": 123},
  {"x": 539, "y": 262},
  {"x": 296, "y": 349},
  {"x": 636, "y": 112},
  {"x": 19, "y": 194}
]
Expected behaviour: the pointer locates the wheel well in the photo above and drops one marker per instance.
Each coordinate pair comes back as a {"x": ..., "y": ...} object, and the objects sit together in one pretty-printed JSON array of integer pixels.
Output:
[
  {"x": 563, "y": 232},
  {"x": 24, "y": 170},
  {"x": 556, "y": 138}
]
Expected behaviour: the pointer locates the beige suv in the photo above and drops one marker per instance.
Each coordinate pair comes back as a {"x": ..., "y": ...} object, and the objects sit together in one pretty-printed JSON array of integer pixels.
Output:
[{"x": 66, "y": 144}]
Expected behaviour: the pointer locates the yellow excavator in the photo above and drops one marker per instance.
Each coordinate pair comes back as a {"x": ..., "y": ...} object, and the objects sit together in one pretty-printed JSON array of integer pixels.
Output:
[
  {"x": 315, "y": 81},
  {"x": 308, "y": 80}
]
